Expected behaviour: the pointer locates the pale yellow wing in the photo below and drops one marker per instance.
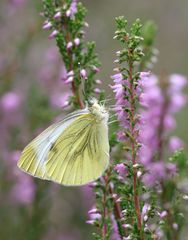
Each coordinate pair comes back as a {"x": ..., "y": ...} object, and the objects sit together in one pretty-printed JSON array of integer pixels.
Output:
[
  {"x": 80, "y": 154},
  {"x": 35, "y": 154}
]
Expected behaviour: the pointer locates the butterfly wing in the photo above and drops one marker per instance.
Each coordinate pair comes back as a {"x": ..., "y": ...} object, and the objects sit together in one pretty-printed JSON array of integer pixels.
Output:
[
  {"x": 81, "y": 153},
  {"x": 35, "y": 154},
  {"x": 72, "y": 152}
]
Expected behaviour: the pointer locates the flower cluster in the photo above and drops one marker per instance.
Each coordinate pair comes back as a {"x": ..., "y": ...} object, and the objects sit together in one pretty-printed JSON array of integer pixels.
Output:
[
  {"x": 160, "y": 99},
  {"x": 80, "y": 63}
]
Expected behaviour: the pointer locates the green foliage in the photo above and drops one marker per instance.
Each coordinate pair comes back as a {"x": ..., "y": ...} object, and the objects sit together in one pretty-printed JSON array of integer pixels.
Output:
[
  {"x": 181, "y": 160},
  {"x": 149, "y": 32}
]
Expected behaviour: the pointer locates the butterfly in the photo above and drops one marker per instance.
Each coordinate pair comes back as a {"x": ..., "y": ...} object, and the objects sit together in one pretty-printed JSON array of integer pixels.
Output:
[{"x": 73, "y": 151}]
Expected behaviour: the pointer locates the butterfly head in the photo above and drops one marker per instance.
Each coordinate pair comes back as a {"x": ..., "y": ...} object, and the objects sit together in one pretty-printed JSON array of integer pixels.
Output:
[{"x": 97, "y": 109}]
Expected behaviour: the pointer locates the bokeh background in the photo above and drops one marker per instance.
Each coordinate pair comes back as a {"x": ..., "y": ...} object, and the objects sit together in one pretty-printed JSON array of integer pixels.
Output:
[{"x": 31, "y": 97}]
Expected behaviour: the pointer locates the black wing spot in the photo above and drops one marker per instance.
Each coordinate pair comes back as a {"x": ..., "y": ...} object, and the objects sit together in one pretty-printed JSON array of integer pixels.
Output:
[{"x": 53, "y": 149}]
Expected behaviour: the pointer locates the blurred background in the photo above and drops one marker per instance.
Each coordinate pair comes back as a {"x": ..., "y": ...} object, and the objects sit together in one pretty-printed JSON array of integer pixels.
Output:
[{"x": 32, "y": 95}]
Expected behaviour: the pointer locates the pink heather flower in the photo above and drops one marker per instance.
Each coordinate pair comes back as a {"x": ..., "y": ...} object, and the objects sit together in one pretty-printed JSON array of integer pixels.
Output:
[
  {"x": 57, "y": 15},
  {"x": 177, "y": 98},
  {"x": 69, "y": 45},
  {"x": 177, "y": 83},
  {"x": 163, "y": 214},
  {"x": 93, "y": 215},
  {"x": 69, "y": 80},
  {"x": 127, "y": 226},
  {"x": 177, "y": 102},
  {"x": 149, "y": 180},
  {"x": 93, "y": 210},
  {"x": 171, "y": 169},
  {"x": 98, "y": 81},
  {"x": 72, "y": 10},
  {"x": 10, "y": 101},
  {"x": 117, "y": 78},
  {"x": 68, "y": 13},
  {"x": 146, "y": 208},
  {"x": 60, "y": 101},
  {"x": 169, "y": 122},
  {"x": 90, "y": 222},
  {"x": 115, "y": 232},
  {"x": 95, "y": 69},
  {"x": 175, "y": 226},
  {"x": 97, "y": 90},
  {"x": 139, "y": 174},
  {"x": 23, "y": 190},
  {"x": 121, "y": 102},
  {"x": 153, "y": 99},
  {"x": 120, "y": 169},
  {"x": 83, "y": 73},
  {"x": 121, "y": 136},
  {"x": 185, "y": 197},
  {"x": 156, "y": 172},
  {"x": 70, "y": 73},
  {"x": 47, "y": 25},
  {"x": 77, "y": 41},
  {"x": 175, "y": 143},
  {"x": 53, "y": 34}
]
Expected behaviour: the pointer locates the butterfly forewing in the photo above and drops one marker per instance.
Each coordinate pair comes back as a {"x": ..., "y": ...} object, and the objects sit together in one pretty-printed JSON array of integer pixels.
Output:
[
  {"x": 35, "y": 154},
  {"x": 80, "y": 155}
]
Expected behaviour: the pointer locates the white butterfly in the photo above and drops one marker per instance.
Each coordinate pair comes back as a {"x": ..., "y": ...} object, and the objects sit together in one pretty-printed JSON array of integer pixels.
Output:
[{"x": 74, "y": 151}]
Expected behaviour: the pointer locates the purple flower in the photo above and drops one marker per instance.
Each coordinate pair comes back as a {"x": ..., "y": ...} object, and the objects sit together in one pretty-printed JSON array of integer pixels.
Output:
[
  {"x": 171, "y": 169},
  {"x": 163, "y": 214},
  {"x": 94, "y": 215},
  {"x": 185, "y": 197},
  {"x": 77, "y": 41},
  {"x": 72, "y": 10},
  {"x": 121, "y": 136},
  {"x": 83, "y": 73},
  {"x": 177, "y": 101},
  {"x": 175, "y": 143},
  {"x": 97, "y": 90},
  {"x": 117, "y": 78},
  {"x": 47, "y": 25},
  {"x": 157, "y": 121},
  {"x": 69, "y": 45},
  {"x": 146, "y": 208},
  {"x": 53, "y": 34},
  {"x": 115, "y": 233},
  {"x": 120, "y": 169},
  {"x": 10, "y": 101},
  {"x": 57, "y": 15},
  {"x": 177, "y": 83},
  {"x": 23, "y": 190},
  {"x": 95, "y": 69},
  {"x": 98, "y": 81}
]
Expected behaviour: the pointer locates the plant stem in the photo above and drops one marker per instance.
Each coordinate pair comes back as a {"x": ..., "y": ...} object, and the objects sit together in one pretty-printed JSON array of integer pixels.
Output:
[
  {"x": 117, "y": 214},
  {"x": 105, "y": 210},
  {"x": 134, "y": 145}
]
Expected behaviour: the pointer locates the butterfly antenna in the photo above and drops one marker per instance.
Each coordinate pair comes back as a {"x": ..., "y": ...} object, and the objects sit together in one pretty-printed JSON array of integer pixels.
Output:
[{"x": 112, "y": 122}]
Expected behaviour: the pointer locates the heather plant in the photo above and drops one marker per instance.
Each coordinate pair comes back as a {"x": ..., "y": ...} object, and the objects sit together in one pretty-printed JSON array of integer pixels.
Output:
[{"x": 143, "y": 193}]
